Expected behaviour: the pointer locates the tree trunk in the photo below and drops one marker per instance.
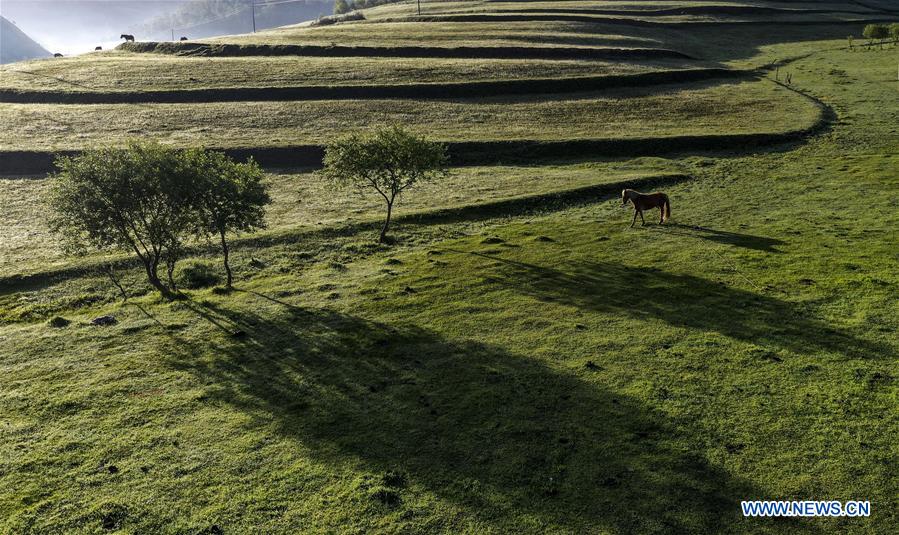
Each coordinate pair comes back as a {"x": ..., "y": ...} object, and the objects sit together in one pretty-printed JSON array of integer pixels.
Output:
[
  {"x": 170, "y": 270},
  {"x": 225, "y": 256},
  {"x": 153, "y": 277},
  {"x": 386, "y": 226}
]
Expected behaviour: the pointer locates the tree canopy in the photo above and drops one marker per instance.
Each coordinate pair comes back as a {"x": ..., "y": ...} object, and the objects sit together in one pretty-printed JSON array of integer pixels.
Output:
[
  {"x": 389, "y": 161},
  {"x": 148, "y": 199}
]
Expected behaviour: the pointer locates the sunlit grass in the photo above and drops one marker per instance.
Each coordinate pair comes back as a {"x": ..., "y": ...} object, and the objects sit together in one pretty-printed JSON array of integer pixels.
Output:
[
  {"x": 539, "y": 372},
  {"x": 729, "y": 108},
  {"x": 147, "y": 72}
]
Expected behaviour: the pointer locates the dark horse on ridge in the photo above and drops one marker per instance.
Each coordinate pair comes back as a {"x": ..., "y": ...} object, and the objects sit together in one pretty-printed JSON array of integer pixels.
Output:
[{"x": 127, "y": 37}]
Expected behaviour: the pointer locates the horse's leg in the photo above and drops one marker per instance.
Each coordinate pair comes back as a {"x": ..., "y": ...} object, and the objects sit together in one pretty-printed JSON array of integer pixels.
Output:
[
  {"x": 641, "y": 218},
  {"x": 635, "y": 217},
  {"x": 661, "y": 214}
]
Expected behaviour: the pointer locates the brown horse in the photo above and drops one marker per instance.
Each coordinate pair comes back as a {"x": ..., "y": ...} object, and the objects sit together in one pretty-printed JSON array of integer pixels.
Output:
[{"x": 647, "y": 201}]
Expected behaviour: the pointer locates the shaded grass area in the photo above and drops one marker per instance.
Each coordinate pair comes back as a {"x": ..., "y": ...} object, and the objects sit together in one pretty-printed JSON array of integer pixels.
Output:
[
  {"x": 518, "y": 424},
  {"x": 733, "y": 108}
]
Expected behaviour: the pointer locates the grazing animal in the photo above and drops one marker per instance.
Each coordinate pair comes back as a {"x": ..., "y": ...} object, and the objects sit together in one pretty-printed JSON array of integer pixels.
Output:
[
  {"x": 183, "y": 38},
  {"x": 57, "y": 55},
  {"x": 127, "y": 37},
  {"x": 98, "y": 48},
  {"x": 645, "y": 201}
]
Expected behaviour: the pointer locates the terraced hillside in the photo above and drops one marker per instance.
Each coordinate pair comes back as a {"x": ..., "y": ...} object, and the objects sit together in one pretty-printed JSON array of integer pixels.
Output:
[{"x": 517, "y": 360}]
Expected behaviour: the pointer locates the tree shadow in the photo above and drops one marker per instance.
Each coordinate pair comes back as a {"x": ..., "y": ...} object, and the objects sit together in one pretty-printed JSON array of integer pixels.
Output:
[
  {"x": 746, "y": 241},
  {"x": 684, "y": 301},
  {"x": 506, "y": 438}
]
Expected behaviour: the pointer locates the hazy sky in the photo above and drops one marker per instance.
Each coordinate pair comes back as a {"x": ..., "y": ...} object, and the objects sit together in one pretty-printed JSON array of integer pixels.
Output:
[{"x": 74, "y": 26}]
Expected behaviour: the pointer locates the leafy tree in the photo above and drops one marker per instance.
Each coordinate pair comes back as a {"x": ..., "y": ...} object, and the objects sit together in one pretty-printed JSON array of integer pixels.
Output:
[
  {"x": 342, "y": 6},
  {"x": 129, "y": 198},
  {"x": 388, "y": 161},
  {"x": 230, "y": 197},
  {"x": 874, "y": 32}
]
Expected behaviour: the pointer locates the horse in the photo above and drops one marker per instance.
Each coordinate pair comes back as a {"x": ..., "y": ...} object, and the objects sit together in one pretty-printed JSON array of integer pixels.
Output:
[
  {"x": 98, "y": 48},
  {"x": 183, "y": 38},
  {"x": 645, "y": 201},
  {"x": 57, "y": 55},
  {"x": 127, "y": 37}
]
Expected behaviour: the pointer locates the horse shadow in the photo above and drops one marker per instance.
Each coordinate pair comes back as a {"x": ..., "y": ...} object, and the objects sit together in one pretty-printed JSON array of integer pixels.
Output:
[
  {"x": 684, "y": 301},
  {"x": 509, "y": 440},
  {"x": 746, "y": 241}
]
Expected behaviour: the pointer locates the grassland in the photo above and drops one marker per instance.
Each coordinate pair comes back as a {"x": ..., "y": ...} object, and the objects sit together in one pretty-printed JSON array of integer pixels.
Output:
[
  {"x": 303, "y": 202},
  {"x": 118, "y": 71},
  {"x": 747, "y": 107},
  {"x": 547, "y": 372},
  {"x": 631, "y": 9},
  {"x": 390, "y": 34},
  {"x": 516, "y": 369},
  {"x": 706, "y": 42}
]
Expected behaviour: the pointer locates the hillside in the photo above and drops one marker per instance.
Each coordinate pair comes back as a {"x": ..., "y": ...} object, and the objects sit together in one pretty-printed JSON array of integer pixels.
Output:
[
  {"x": 517, "y": 359},
  {"x": 16, "y": 46}
]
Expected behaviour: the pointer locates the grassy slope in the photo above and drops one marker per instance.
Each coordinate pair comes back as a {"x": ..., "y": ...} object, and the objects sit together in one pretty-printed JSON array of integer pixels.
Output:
[
  {"x": 119, "y": 71},
  {"x": 446, "y": 34},
  {"x": 746, "y": 107},
  {"x": 305, "y": 201},
  {"x": 548, "y": 373}
]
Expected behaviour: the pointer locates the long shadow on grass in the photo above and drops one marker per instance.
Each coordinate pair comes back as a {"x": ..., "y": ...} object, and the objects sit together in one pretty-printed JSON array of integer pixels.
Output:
[
  {"x": 510, "y": 441},
  {"x": 684, "y": 300},
  {"x": 747, "y": 241}
]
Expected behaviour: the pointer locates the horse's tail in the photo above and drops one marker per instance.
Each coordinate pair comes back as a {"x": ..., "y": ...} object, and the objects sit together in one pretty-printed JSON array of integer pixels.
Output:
[{"x": 667, "y": 209}]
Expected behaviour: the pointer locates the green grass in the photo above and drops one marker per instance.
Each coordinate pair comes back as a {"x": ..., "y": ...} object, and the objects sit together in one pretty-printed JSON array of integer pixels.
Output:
[
  {"x": 734, "y": 108},
  {"x": 706, "y": 43},
  {"x": 540, "y": 372},
  {"x": 579, "y": 6},
  {"x": 304, "y": 201},
  {"x": 119, "y": 71},
  {"x": 388, "y": 34}
]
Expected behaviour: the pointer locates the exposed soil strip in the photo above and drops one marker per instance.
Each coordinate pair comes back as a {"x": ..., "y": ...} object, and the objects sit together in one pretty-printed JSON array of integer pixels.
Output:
[{"x": 356, "y": 92}]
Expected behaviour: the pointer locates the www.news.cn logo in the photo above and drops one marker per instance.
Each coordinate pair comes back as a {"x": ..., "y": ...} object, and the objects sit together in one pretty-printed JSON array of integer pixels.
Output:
[{"x": 806, "y": 508}]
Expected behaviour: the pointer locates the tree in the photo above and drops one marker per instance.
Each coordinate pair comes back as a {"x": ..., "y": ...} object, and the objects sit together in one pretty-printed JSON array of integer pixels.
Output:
[
  {"x": 230, "y": 197},
  {"x": 342, "y": 6},
  {"x": 129, "y": 198},
  {"x": 389, "y": 161},
  {"x": 874, "y": 32}
]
